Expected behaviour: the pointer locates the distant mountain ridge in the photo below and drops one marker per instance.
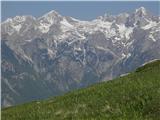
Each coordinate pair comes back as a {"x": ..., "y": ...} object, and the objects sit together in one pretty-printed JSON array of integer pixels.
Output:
[{"x": 53, "y": 54}]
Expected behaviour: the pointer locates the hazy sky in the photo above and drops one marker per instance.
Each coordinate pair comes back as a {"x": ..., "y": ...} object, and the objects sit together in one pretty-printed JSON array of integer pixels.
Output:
[{"x": 80, "y": 10}]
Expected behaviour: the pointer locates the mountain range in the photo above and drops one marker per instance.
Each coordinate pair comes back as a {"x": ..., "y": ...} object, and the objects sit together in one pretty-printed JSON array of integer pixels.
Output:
[{"x": 53, "y": 54}]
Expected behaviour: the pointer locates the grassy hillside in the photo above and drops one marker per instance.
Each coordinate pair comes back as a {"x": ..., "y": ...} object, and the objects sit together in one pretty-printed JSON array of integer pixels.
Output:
[{"x": 132, "y": 97}]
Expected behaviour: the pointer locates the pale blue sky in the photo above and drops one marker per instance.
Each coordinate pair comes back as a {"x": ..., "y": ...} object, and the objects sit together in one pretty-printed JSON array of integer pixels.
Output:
[{"x": 80, "y": 10}]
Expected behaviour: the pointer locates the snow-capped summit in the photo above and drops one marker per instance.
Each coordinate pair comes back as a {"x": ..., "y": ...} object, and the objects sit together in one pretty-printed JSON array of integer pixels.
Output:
[
  {"x": 19, "y": 19},
  {"x": 108, "y": 17},
  {"x": 18, "y": 24},
  {"x": 141, "y": 11},
  {"x": 47, "y": 20},
  {"x": 122, "y": 18},
  {"x": 52, "y": 14}
]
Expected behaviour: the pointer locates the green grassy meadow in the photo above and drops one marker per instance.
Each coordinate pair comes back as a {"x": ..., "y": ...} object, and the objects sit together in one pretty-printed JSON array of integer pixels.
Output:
[{"x": 135, "y": 96}]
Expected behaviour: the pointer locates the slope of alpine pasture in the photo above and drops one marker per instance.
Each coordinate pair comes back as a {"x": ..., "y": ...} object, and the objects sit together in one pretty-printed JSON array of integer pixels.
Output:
[{"x": 135, "y": 96}]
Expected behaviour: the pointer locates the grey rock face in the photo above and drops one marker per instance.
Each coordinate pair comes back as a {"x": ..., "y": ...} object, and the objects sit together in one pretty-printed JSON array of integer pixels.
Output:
[{"x": 53, "y": 54}]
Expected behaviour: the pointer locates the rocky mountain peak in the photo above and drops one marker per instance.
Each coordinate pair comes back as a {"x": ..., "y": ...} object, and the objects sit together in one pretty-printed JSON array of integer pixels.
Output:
[
  {"x": 50, "y": 15},
  {"x": 141, "y": 11}
]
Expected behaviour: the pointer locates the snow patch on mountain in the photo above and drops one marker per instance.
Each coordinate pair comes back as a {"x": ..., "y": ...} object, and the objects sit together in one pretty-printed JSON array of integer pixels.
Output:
[
  {"x": 152, "y": 38},
  {"x": 44, "y": 27},
  {"x": 150, "y": 25},
  {"x": 125, "y": 31},
  {"x": 17, "y": 27}
]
